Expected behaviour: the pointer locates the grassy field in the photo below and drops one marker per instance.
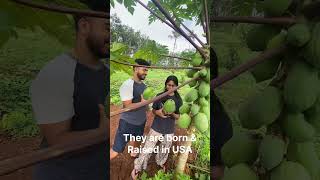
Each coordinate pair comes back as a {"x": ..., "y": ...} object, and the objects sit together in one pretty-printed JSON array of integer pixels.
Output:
[{"x": 20, "y": 61}]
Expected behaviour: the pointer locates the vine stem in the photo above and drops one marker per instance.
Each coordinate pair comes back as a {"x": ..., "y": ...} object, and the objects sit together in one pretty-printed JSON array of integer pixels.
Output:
[
  {"x": 194, "y": 35},
  {"x": 151, "y": 100},
  {"x": 155, "y": 14},
  {"x": 182, "y": 58},
  {"x": 266, "y": 55},
  {"x": 206, "y": 17},
  {"x": 255, "y": 20},
  {"x": 199, "y": 168},
  {"x": 156, "y": 67},
  {"x": 170, "y": 25},
  {"x": 167, "y": 15},
  {"x": 62, "y": 9}
]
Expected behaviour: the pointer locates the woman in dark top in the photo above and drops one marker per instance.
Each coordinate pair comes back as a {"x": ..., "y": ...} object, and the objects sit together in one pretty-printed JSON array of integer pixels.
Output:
[{"x": 163, "y": 126}]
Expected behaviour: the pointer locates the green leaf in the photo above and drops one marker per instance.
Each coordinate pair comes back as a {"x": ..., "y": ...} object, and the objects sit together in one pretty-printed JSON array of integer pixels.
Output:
[
  {"x": 118, "y": 47},
  {"x": 131, "y": 10}
]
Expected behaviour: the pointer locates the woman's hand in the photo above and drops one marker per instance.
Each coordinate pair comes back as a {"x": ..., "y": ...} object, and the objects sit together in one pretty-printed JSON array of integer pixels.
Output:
[
  {"x": 160, "y": 113},
  {"x": 175, "y": 116}
]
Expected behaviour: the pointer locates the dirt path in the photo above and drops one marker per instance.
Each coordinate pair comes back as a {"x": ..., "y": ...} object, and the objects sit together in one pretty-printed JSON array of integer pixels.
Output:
[
  {"x": 121, "y": 166},
  {"x": 12, "y": 147}
]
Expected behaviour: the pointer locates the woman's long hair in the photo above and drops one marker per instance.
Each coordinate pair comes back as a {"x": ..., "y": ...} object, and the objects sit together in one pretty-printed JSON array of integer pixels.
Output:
[{"x": 175, "y": 80}]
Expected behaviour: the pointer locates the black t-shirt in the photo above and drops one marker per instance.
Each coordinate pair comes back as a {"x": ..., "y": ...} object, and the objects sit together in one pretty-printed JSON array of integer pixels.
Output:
[
  {"x": 67, "y": 89},
  {"x": 221, "y": 127},
  {"x": 165, "y": 125}
]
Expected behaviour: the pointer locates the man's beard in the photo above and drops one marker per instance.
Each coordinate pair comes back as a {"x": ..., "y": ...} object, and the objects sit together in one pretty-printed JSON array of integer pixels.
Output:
[
  {"x": 141, "y": 77},
  {"x": 96, "y": 49}
]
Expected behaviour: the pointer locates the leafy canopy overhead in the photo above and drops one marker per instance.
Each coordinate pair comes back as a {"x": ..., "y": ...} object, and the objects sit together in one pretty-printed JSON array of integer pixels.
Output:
[
  {"x": 128, "y": 44},
  {"x": 14, "y": 16},
  {"x": 180, "y": 10}
]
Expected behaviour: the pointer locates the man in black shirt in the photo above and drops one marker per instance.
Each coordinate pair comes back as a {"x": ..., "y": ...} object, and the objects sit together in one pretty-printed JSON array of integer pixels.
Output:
[
  {"x": 131, "y": 122},
  {"x": 68, "y": 98}
]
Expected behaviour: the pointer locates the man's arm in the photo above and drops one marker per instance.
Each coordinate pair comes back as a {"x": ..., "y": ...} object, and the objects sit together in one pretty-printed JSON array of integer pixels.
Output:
[
  {"x": 126, "y": 94},
  {"x": 60, "y": 133},
  {"x": 129, "y": 103}
]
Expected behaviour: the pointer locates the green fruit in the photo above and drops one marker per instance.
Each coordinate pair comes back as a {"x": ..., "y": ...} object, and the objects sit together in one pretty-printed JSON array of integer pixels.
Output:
[
  {"x": 297, "y": 128},
  {"x": 298, "y": 35},
  {"x": 196, "y": 75},
  {"x": 194, "y": 109},
  {"x": 169, "y": 106},
  {"x": 206, "y": 110},
  {"x": 196, "y": 61},
  {"x": 261, "y": 109},
  {"x": 148, "y": 93},
  {"x": 203, "y": 101},
  {"x": 311, "y": 52},
  {"x": 191, "y": 96},
  {"x": 203, "y": 72},
  {"x": 240, "y": 172},
  {"x": 202, "y": 177},
  {"x": 265, "y": 70},
  {"x": 312, "y": 115},
  {"x": 207, "y": 79},
  {"x": 184, "y": 121},
  {"x": 301, "y": 87},
  {"x": 277, "y": 41},
  {"x": 193, "y": 83},
  {"x": 259, "y": 36},
  {"x": 184, "y": 109},
  {"x": 241, "y": 148},
  {"x": 271, "y": 151},
  {"x": 306, "y": 155},
  {"x": 191, "y": 72},
  {"x": 204, "y": 89},
  {"x": 268, "y": 68},
  {"x": 201, "y": 122},
  {"x": 288, "y": 170},
  {"x": 276, "y": 7}
]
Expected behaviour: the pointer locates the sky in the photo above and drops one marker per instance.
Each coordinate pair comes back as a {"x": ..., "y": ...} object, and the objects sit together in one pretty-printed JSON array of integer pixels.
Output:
[{"x": 157, "y": 30}]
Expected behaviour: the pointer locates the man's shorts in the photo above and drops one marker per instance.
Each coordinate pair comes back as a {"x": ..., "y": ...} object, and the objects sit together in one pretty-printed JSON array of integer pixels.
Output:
[{"x": 126, "y": 128}]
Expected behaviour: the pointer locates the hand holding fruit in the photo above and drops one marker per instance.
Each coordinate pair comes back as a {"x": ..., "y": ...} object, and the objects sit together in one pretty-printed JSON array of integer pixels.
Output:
[
  {"x": 160, "y": 113},
  {"x": 142, "y": 99}
]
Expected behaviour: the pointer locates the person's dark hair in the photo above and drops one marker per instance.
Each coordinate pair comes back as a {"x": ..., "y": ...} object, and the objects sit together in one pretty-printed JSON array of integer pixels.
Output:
[
  {"x": 142, "y": 62},
  {"x": 175, "y": 80},
  {"x": 94, "y": 5}
]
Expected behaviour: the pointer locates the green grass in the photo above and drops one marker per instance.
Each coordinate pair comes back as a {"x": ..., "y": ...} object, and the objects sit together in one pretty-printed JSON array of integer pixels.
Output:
[
  {"x": 20, "y": 61},
  {"x": 154, "y": 79}
]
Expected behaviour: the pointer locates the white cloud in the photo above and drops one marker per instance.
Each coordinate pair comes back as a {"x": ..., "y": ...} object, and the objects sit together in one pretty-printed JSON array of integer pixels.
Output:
[{"x": 157, "y": 30}]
